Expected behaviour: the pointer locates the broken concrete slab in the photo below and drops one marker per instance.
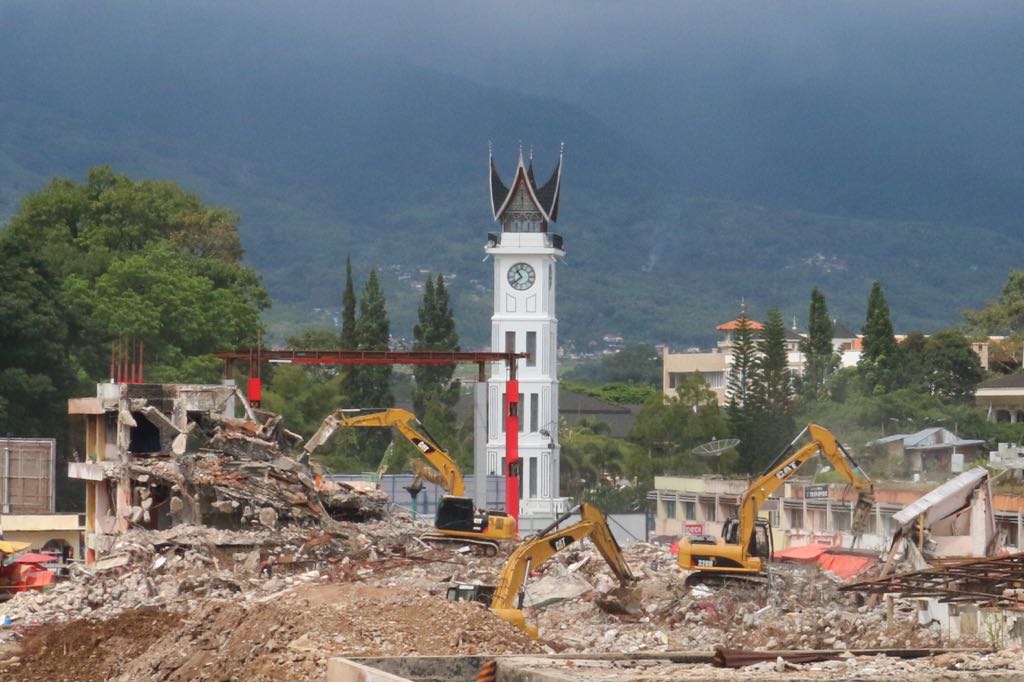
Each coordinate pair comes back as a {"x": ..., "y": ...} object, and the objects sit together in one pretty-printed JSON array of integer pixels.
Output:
[{"x": 553, "y": 588}]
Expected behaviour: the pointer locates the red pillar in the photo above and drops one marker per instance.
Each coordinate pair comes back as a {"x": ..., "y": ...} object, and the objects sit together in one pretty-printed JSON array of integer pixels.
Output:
[{"x": 512, "y": 466}]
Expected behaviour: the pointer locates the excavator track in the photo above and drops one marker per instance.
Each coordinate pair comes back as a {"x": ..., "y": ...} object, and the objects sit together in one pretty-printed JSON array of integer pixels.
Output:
[
  {"x": 479, "y": 545},
  {"x": 724, "y": 579}
]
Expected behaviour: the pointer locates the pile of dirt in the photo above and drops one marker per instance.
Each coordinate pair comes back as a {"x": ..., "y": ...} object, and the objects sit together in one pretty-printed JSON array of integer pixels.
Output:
[
  {"x": 85, "y": 650},
  {"x": 288, "y": 636}
]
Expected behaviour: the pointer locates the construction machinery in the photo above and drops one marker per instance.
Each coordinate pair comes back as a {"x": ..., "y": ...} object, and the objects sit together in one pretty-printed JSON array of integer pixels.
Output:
[
  {"x": 745, "y": 547},
  {"x": 457, "y": 520},
  {"x": 506, "y": 597}
]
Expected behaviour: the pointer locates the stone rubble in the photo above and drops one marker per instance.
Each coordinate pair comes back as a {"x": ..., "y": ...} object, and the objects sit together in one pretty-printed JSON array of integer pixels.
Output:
[{"x": 272, "y": 601}]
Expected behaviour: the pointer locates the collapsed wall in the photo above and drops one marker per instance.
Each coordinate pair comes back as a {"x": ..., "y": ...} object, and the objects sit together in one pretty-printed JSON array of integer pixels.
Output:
[{"x": 160, "y": 455}]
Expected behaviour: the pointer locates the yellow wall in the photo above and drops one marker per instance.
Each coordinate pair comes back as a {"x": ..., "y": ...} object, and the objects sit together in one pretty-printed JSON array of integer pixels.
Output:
[{"x": 39, "y": 538}]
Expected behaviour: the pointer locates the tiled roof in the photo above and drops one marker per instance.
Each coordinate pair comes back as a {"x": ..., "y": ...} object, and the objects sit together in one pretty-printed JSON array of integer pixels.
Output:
[{"x": 733, "y": 325}]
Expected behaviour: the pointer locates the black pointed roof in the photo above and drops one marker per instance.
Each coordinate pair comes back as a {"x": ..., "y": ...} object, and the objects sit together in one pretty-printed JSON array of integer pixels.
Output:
[{"x": 544, "y": 197}]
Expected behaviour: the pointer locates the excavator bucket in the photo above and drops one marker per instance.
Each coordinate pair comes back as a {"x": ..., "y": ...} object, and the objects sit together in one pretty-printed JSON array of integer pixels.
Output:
[
  {"x": 862, "y": 513},
  {"x": 622, "y": 600}
]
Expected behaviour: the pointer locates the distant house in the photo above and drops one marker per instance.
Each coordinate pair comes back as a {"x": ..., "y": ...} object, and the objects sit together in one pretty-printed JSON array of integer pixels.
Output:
[
  {"x": 931, "y": 453},
  {"x": 1003, "y": 398},
  {"x": 574, "y": 408},
  {"x": 713, "y": 365}
]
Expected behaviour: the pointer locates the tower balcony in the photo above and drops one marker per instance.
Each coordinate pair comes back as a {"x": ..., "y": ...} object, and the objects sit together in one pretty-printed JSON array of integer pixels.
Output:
[{"x": 526, "y": 241}]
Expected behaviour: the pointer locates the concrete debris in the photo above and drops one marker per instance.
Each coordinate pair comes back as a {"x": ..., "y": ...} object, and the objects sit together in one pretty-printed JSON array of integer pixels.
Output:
[{"x": 555, "y": 587}]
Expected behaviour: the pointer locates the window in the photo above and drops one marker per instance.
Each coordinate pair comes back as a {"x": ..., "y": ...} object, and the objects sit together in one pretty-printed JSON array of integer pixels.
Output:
[
  {"x": 709, "y": 511},
  {"x": 533, "y": 477},
  {"x": 534, "y": 411},
  {"x": 531, "y": 348},
  {"x": 510, "y": 341},
  {"x": 840, "y": 520},
  {"x": 522, "y": 420},
  {"x": 504, "y": 400},
  {"x": 689, "y": 511},
  {"x": 796, "y": 518},
  {"x": 670, "y": 508},
  {"x": 715, "y": 380}
]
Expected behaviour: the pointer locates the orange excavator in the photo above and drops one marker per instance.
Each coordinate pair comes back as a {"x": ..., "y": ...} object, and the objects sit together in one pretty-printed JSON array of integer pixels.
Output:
[
  {"x": 457, "y": 520},
  {"x": 745, "y": 547},
  {"x": 506, "y": 597}
]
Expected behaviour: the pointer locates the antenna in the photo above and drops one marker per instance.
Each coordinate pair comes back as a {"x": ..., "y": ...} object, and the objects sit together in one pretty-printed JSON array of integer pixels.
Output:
[{"x": 713, "y": 448}]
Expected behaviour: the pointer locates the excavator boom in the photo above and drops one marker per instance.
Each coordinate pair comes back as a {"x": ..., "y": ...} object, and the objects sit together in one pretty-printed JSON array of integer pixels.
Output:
[
  {"x": 457, "y": 518},
  {"x": 539, "y": 549},
  {"x": 737, "y": 553},
  {"x": 408, "y": 426}
]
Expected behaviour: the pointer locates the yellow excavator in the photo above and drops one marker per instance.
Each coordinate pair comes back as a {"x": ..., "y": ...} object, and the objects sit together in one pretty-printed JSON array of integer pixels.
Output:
[
  {"x": 506, "y": 597},
  {"x": 457, "y": 520},
  {"x": 745, "y": 547}
]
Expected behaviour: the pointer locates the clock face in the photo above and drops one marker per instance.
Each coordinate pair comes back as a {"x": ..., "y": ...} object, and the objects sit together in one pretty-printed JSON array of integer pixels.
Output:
[{"x": 521, "y": 276}]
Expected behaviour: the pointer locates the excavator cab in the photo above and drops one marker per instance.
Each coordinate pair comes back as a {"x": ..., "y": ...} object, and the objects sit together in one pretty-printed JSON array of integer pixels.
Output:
[{"x": 760, "y": 541}]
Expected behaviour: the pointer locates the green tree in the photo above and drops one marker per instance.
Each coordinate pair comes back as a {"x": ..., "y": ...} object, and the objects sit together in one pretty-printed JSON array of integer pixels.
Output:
[
  {"x": 1004, "y": 315},
  {"x": 435, "y": 331},
  {"x": 435, "y": 393},
  {"x": 669, "y": 430},
  {"x": 634, "y": 363},
  {"x": 820, "y": 361},
  {"x": 349, "y": 339},
  {"x": 104, "y": 259},
  {"x": 369, "y": 386},
  {"x": 771, "y": 417},
  {"x": 913, "y": 363},
  {"x": 953, "y": 368},
  {"x": 775, "y": 385},
  {"x": 879, "y": 360},
  {"x": 743, "y": 408}
]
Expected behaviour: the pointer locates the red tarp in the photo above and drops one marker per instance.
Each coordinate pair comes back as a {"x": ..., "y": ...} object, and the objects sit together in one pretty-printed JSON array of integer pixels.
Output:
[
  {"x": 827, "y": 557},
  {"x": 33, "y": 558}
]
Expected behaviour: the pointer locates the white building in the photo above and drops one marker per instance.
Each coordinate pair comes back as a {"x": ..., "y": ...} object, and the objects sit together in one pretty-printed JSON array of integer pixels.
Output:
[{"x": 525, "y": 255}]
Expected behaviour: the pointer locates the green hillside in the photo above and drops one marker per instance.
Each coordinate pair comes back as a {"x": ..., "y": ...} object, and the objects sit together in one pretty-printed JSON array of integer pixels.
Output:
[{"x": 331, "y": 154}]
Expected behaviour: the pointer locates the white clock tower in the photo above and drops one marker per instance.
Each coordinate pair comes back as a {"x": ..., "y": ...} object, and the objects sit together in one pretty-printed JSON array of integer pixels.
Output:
[{"x": 525, "y": 255}]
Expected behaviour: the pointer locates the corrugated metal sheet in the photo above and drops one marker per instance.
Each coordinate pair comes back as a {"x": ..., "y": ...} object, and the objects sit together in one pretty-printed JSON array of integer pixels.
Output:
[{"x": 942, "y": 501}]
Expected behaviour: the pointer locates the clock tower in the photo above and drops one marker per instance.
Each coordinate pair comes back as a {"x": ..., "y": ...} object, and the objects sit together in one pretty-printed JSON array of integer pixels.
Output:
[{"x": 525, "y": 255}]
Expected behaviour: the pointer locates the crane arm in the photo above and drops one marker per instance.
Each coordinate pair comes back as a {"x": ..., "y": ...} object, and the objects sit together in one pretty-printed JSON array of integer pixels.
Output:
[
  {"x": 539, "y": 549},
  {"x": 822, "y": 442},
  {"x": 407, "y": 425}
]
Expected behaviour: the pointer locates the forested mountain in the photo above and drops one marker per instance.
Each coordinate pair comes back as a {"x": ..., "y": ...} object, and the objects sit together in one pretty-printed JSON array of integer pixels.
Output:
[{"x": 331, "y": 134}]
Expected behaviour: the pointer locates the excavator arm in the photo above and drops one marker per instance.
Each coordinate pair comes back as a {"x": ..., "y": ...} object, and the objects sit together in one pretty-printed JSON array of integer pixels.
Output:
[
  {"x": 822, "y": 442},
  {"x": 406, "y": 424},
  {"x": 735, "y": 554},
  {"x": 539, "y": 549}
]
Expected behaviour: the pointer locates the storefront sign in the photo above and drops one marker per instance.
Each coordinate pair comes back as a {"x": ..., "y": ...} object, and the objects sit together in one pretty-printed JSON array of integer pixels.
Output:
[
  {"x": 816, "y": 491},
  {"x": 694, "y": 529}
]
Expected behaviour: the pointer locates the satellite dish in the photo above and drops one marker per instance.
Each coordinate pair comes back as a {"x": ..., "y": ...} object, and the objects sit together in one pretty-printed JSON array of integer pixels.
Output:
[{"x": 717, "y": 447}]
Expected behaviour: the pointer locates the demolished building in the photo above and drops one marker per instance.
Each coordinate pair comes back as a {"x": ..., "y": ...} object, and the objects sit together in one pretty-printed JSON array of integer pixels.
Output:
[{"x": 158, "y": 455}]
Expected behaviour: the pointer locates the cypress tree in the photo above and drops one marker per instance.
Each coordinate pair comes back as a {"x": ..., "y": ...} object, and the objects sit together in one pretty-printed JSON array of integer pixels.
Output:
[
  {"x": 369, "y": 386},
  {"x": 819, "y": 358},
  {"x": 349, "y": 341},
  {"x": 879, "y": 359},
  {"x": 771, "y": 423},
  {"x": 435, "y": 393},
  {"x": 742, "y": 407},
  {"x": 774, "y": 384}
]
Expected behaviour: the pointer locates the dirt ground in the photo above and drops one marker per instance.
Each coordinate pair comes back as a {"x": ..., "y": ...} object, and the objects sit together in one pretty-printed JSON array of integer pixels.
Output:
[{"x": 289, "y": 638}]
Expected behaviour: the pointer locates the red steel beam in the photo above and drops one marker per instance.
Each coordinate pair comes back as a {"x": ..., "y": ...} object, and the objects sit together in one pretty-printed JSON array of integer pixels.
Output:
[{"x": 330, "y": 357}]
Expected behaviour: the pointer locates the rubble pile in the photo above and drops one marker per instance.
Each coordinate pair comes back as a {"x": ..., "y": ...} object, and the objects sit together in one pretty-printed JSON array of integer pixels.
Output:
[
  {"x": 243, "y": 472},
  {"x": 177, "y": 568},
  {"x": 801, "y": 608}
]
